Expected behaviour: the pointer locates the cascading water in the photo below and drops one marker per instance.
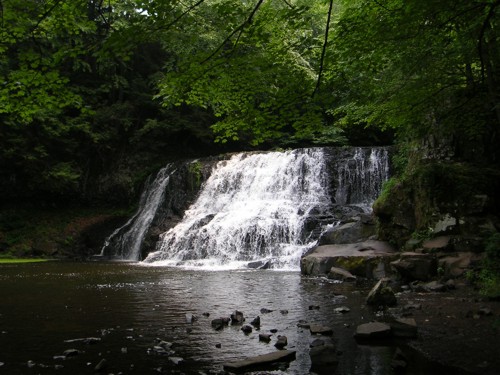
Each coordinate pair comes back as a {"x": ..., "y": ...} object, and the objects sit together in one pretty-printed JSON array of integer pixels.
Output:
[
  {"x": 125, "y": 242},
  {"x": 255, "y": 209},
  {"x": 252, "y": 208},
  {"x": 360, "y": 178}
]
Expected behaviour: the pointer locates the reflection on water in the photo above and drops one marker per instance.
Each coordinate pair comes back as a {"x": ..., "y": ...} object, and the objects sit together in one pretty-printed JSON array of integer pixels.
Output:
[{"x": 128, "y": 306}]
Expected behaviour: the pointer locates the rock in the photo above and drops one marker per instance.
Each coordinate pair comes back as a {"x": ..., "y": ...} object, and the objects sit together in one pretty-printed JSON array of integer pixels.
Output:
[
  {"x": 415, "y": 266},
  {"x": 237, "y": 317},
  {"x": 256, "y": 322},
  {"x": 436, "y": 244},
  {"x": 314, "y": 307},
  {"x": 485, "y": 311},
  {"x": 175, "y": 360},
  {"x": 435, "y": 286},
  {"x": 259, "y": 361},
  {"x": 352, "y": 232},
  {"x": 71, "y": 352},
  {"x": 447, "y": 224},
  {"x": 31, "y": 364},
  {"x": 283, "y": 312},
  {"x": 341, "y": 310},
  {"x": 246, "y": 329},
  {"x": 219, "y": 323},
  {"x": 455, "y": 265},
  {"x": 317, "y": 342},
  {"x": 337, "y": 273},
  {"x": 260, "y": 264},
  {"x": 317, "y": 329},
  {"x": 372, "y": 331},
  {"x": 404, "y": 327},
  {"x": 281, "y": 342},
  {"x": 303, "y": 324},
  {"x": 381, "y": 295},
  {"x": 266, "y": 337},
  {"x": 206, "y": 314},
  {"x": 124, "y": 350},
  {"x": 190, "y": 318},
  {"x": 218, "y": 345},
  {"x": 265, "y": 311},
  {"x": 360, "y": 259},
  {"x": 323, "y": 359},
  {"x": 274, "y": 330},
  {"x": 101, "y": 366},
  {"x": 85, "y": 340}
]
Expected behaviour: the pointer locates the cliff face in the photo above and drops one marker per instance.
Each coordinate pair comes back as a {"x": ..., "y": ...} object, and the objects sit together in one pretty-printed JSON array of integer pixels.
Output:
[{"x": 440, "y": 193}]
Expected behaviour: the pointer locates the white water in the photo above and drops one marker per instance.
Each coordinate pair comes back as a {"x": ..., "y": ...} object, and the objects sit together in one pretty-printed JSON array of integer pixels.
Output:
[
  {"x": 128, "y": 238},
  {"x": 253, "y": 207},
  {"x": 360, "y": 179}
]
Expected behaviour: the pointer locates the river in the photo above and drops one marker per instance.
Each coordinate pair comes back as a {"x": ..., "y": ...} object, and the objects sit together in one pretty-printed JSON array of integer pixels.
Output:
[{"x": 127, "y": 307}]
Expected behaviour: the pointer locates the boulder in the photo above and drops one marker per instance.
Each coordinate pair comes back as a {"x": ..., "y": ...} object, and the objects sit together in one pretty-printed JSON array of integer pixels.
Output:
[
  {"x": 341, "y": 274},
  {"x": 381, "y": 294},
  {"x": 440, "y": 243},
  {"x": 455, "y": 265},
  {"x": 369, "y": 259},
  {"x": 356, "y": 231},
  {"x": 416, "y": 266},
  {"x": 372, "y": 331},
  {"x": 259, "y": 361}
]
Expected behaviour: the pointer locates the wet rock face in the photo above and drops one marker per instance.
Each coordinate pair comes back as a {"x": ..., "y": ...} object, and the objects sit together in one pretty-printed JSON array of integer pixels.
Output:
[{"x": 368, "y": 259}]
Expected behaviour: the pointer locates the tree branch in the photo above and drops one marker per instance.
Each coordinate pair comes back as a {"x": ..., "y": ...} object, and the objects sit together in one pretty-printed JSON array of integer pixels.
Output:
[
  {"x": 323, "y": 51},
  {"x": 239, "y": 29},
  {"x": 484, "y": 26},
  {"x": 45, "y": 15}
]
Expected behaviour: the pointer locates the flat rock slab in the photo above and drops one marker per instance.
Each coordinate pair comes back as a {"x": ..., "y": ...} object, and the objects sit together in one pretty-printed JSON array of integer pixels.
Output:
[
  {"x": 260, "y": 360},
  {"x": 361, "y": 258},
  {"x": 372, "y": 331},
  {"x": 317, "y": 329}
]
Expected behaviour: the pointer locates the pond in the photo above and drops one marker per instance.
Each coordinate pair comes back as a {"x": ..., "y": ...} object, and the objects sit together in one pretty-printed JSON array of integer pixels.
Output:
[{"x": 128, "y": 307}]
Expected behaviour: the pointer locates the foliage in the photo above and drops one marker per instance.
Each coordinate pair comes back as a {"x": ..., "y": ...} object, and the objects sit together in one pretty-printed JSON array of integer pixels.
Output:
[
  {"x": 489, "y": 276},
  {"x": 91, "y": 88}
]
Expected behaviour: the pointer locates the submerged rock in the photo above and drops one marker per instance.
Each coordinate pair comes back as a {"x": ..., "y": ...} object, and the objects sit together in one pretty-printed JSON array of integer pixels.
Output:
[
  {"x": 259, "y": 361},
  {"x": 323, "y": 359}
]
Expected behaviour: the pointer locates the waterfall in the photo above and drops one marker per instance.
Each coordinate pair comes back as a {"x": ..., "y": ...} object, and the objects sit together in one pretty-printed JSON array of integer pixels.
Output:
[
  {"x": 253, "y": 207},
  {"x": 361, "y": 176},
  {"x": 125, "y": 242},
  {"x": 252, "y": 210}
]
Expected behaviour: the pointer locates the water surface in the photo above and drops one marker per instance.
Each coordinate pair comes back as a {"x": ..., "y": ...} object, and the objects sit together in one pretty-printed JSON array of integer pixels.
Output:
[{"x": 129, "y": 306}]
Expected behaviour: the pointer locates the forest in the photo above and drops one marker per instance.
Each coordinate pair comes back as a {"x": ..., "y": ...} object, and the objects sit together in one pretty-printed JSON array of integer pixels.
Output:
[
  {"x": 96, "y": 94},
  {"x": 97, "y": 88}
]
